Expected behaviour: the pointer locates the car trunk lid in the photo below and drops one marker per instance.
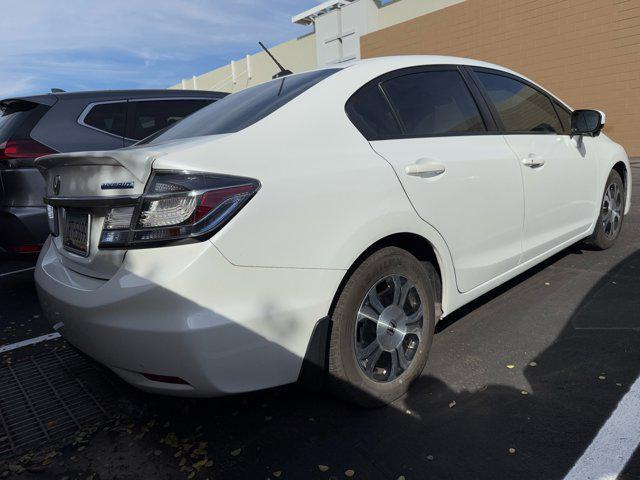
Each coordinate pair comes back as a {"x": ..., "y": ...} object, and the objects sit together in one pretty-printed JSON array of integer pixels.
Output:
[{"x": 81, "y": 188}]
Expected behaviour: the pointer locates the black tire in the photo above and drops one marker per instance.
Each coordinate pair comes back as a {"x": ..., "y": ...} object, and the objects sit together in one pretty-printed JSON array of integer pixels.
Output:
[
  {"x": 604, "y": 237},
  {"x": 347, "y": 378}
]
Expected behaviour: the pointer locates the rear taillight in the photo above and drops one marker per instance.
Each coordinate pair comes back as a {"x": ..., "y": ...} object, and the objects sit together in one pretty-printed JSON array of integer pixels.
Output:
[
  {"x": 177, "y": 206},
  {"x": 52, "y": 217},
  {"x": 23, "y": 148}
]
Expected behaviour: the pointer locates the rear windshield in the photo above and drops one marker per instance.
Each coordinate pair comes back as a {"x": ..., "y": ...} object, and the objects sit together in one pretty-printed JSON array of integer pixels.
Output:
[
  {"x": 240, "y": 110},
  {"x": 12, "y": 116}
]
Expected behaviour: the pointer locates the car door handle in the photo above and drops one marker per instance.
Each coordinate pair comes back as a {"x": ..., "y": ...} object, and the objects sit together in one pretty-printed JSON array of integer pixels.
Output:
[
  {"x": 425, "y": 168},
  {"x": 533, "y": 161}
]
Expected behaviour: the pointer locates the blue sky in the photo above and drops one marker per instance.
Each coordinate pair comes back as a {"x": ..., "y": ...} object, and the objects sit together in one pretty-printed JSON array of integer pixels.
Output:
[{"x": 110, "y": 44}]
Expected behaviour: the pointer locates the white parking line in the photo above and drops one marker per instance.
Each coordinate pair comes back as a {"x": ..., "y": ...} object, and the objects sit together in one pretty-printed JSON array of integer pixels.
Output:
[
  {"x": 31, "y": 341},
  {"x": 16, "y": 271},
  {"x": 616, "y": 441}
]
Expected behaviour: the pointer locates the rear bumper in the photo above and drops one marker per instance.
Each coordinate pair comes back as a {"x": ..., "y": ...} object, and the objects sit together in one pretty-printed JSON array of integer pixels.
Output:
[
  {"x": 22, "y": 226},
  {"x": 23, "y": 216},
  {"x": 186, "y": 312}
]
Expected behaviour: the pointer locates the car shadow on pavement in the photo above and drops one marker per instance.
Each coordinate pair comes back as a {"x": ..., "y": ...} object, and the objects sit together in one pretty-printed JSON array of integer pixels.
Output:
[{"x": 510, "y": 414}]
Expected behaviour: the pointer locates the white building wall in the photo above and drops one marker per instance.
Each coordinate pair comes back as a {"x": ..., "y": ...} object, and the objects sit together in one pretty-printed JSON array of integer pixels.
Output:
[
  {"x": 338, "y": 26},
  {"x": 338, "y": 31},
  {"x": 298, "y": 55}
]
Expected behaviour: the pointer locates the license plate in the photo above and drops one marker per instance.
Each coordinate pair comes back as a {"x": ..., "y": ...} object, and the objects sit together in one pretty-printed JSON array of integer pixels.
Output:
[{"x": 76, "y": 232}]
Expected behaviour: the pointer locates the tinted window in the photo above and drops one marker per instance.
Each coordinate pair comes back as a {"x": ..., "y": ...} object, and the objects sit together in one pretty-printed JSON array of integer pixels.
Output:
[
  {"x": 434, "y": 103},
  {"x": 9, "y": 123},
  {"x": 108, "y": 117},
  {"x": 565, "y": 118},
  {"x": 240, "y": 110},
  {"x": 152, "y": 115},
  {"x": 371, "y": 114},
  {"x": 12, "y": 116},
  {"x": 521, "y": 108}
]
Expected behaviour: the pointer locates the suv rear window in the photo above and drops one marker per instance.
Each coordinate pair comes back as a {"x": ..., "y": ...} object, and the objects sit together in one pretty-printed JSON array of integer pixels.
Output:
[
  {"x": 107, "y": 117},
  {"x": 12, "y": 115},
  {"x": 240, "y": 110},
  {"x": 149, "y": 116}
]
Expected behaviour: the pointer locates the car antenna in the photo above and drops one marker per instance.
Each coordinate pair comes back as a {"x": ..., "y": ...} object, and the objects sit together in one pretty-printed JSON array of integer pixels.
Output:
[
  {"x": 57, "y": 90},
  {"x": 283, "y": 71}
]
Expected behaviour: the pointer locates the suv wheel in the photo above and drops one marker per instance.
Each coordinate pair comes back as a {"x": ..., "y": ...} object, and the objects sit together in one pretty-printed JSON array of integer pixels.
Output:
[{"x": 383, "y": 327}]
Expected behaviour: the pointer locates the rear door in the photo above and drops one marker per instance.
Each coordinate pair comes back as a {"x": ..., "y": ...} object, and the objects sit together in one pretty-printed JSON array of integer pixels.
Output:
[
  {"x": 460, "y": 175},
  {"x": 559, "y": 172},
  {"x": 146, "y": 116}
]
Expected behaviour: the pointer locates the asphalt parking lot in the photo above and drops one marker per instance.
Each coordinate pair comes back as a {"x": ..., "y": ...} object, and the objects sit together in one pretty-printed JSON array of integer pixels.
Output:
[{"x": 518, "y": 385}]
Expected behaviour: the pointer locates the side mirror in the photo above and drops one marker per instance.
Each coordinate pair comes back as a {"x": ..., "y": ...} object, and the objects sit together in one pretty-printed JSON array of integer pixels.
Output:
[{"x": 587, "y": 122}]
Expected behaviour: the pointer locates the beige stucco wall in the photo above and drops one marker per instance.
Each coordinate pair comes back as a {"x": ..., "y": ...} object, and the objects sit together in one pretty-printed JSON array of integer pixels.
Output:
[
  {"x": 403, "y": 10},
  {"x": 298, "y": 55}
]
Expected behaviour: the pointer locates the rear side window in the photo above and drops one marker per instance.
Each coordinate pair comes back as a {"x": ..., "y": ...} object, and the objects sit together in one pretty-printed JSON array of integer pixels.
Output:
[
  {"x": 107, "y": 117},
  {"x": 521, "y": 108},
  {"x": 240, "y": 110},
  {"x": 369, "y": 111},
  {"x": 434, "y": 103},
  {"x": 149, "y": 116}
]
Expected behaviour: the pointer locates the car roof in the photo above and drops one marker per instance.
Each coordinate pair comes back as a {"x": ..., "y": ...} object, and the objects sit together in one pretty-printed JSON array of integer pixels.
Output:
[
  {"x": 398, "y": 61},
  {"x": 381, "y": 65},
  {"x": 102, "y": 95}
]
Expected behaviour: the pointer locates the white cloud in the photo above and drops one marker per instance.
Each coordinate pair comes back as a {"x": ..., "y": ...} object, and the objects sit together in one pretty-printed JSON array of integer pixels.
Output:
[
  {"x": 140, "y": 43},
  {"x": 13, "y": 86}
]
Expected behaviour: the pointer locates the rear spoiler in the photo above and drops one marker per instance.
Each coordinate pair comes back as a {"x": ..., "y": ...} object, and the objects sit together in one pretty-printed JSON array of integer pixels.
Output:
[
  {"x": 19, "y": 103},
  {"x": 136, "y": 161}
]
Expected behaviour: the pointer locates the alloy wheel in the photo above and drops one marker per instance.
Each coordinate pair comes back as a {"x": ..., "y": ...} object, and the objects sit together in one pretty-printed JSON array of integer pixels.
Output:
[
  {"x": 389, "y": 326},
  {"x": 612, "y": 210}
]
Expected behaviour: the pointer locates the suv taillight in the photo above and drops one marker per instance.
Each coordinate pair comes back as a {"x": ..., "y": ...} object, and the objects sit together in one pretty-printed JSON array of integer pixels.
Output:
[
  {"x": 176, "y": 206},
  {"x": 23, "y": 148}
]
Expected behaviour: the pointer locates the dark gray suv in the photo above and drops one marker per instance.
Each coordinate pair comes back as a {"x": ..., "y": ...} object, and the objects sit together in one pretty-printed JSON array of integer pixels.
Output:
[{"x": 65, "y": 122}]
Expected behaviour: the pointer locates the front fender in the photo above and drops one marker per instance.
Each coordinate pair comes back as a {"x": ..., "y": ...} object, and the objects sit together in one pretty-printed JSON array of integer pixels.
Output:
[{"x": 612, "y": 154}]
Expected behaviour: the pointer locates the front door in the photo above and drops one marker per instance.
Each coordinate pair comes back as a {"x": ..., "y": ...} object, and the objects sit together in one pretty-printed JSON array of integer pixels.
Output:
[{"x": 558, "y": 171}]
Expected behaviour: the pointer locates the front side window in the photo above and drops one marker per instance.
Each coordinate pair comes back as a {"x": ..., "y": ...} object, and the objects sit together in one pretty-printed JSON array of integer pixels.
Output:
[
  {"x": 565, "y": 118},
  {"x": 434, "y": 103},
  {"x": 240, "y": 110},
  {"x": 108, "y": 117},
  {"x": 149, "y": 116},
  {"x": 521, "y": 108}
]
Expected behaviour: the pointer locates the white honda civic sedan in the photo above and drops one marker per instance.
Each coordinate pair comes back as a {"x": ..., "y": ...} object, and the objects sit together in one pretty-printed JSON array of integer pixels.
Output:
[{"x": 317, "y": 226}]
